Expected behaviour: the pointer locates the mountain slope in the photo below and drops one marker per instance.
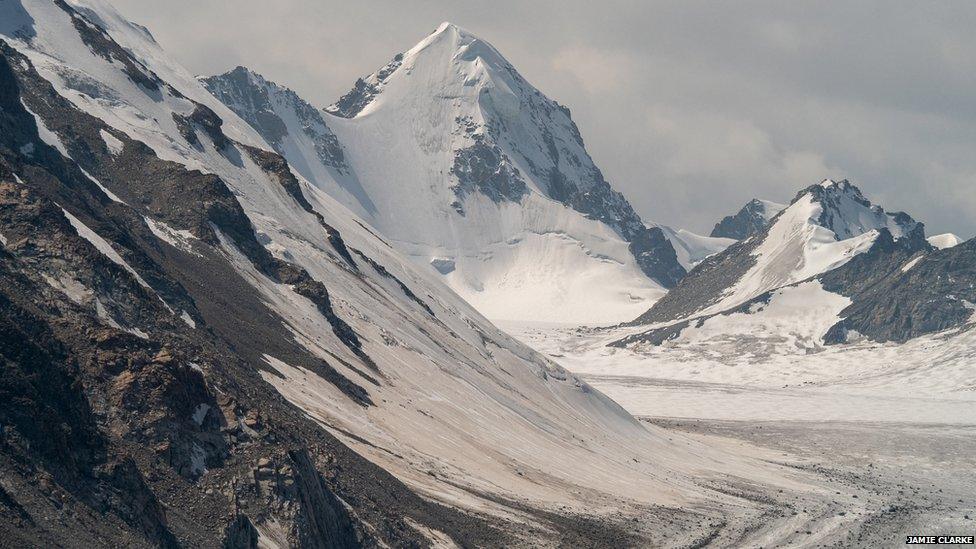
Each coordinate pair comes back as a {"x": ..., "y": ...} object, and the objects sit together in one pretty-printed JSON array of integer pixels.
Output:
[
  {"x": 204, "y": 349},
  {"x": 460, "y": 163}
]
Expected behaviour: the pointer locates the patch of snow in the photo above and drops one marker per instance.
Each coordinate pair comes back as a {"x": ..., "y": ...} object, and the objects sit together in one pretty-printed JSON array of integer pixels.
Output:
[
  {"x": 103, "y": 188},
  {"x": 76, "y": 291},
  {"x": 945, "y": 240},
  {"x": 185, "y": 316},
  {"x": 200, "y": 413},
  {"x": 111, "y": 142},
  {"x": 179, "y": 239},
  {"x": 908, "y": 266},
  {"x": 272, "y": 535},
  {"x": 198, "y": 460},
  {"x": 45, "y": 134}
]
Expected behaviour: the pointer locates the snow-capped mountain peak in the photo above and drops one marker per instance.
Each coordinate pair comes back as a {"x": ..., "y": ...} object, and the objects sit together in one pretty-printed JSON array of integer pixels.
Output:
[
  {"x": 847, "y": 213},
  {"x": 823, "y": 228},
  {"x": 460, "y": 163},
  {"x": 945, "y": 240},
  {"x": 451, "y": 61}
]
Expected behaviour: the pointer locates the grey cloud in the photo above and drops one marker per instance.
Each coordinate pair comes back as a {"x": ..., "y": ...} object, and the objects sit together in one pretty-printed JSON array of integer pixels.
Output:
[{"x": 690, "y": 108}]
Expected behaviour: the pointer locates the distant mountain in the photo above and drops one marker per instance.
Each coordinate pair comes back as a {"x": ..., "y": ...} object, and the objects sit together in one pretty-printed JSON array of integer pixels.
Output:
[
  {"x": 831, "y": 265},
  {"x": 693, "y": 248},
  {"x": 454, "y": 158},
  {"x": 823, "y": 228},
  {"x": 751, "y": 219}
]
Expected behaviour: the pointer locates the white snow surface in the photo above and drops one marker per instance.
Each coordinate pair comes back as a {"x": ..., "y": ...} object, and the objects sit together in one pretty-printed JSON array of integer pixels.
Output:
[
  {"x": 771, "y": 365},
  {"x": 114, "y": 145},
  {"x": 945, "y": 240},
  {"x": 460, "y": 404},
  {"x": 770, "y": 208}
]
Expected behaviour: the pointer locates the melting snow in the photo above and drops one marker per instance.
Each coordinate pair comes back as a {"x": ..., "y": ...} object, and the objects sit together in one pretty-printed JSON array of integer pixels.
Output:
[{"x": 111, "y": 142}]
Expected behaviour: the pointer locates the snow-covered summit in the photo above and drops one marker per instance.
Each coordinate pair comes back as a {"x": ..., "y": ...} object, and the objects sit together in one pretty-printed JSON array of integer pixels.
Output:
[
  {"x": 475, "y": 62},
  {"x": 847, "y": 213},
  {"x": 454, "y": 158}
]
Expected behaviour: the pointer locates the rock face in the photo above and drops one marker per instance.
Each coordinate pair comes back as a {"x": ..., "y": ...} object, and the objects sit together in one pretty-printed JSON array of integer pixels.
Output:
[
  {"x": 751, "y": 219},
  {"x": 452, "y": 155},
  {"x": 283, "y": 119},
  {"x": 902, "y": 290}
]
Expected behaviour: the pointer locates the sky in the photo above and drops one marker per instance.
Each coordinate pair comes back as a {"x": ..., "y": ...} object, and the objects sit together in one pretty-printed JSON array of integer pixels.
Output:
[{"x": 689, "y": 108}]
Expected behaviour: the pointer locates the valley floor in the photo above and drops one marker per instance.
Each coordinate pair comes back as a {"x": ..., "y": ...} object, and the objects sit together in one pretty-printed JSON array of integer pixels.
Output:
[{"x": 895, "y": 425}]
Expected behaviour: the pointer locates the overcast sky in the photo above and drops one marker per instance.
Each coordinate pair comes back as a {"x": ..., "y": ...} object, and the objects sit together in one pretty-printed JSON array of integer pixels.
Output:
[{"x": 689, "y": 108}]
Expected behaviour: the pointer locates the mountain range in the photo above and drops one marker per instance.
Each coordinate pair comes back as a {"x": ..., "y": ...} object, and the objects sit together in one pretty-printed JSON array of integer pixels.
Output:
[{"x": 231, "y": 318}]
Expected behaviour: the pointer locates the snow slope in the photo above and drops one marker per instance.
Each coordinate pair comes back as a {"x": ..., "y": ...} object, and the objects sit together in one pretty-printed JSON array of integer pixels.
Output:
[
  {"x": 693, "y": 248},
  {"x": 465, "y": 167},
  {"x": 945, "y": 240}
]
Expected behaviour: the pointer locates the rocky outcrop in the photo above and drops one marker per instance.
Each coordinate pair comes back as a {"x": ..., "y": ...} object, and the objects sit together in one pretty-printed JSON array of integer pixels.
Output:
[
  {"x": 901, "y": 291},
  {"x": 259, "y": 102},
  {"x": 485, "y": 169},
  {"x": 364, "y": 91},
  {"x": 751, "y": 219}
]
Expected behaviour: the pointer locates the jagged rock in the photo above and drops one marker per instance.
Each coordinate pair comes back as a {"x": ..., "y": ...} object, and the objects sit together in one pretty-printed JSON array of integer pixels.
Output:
[{"x": 751, "y": 219}]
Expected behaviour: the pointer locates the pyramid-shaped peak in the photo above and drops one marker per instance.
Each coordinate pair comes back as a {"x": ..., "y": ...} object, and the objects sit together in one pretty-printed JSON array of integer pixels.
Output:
[{"x": 448, "y": 62}]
